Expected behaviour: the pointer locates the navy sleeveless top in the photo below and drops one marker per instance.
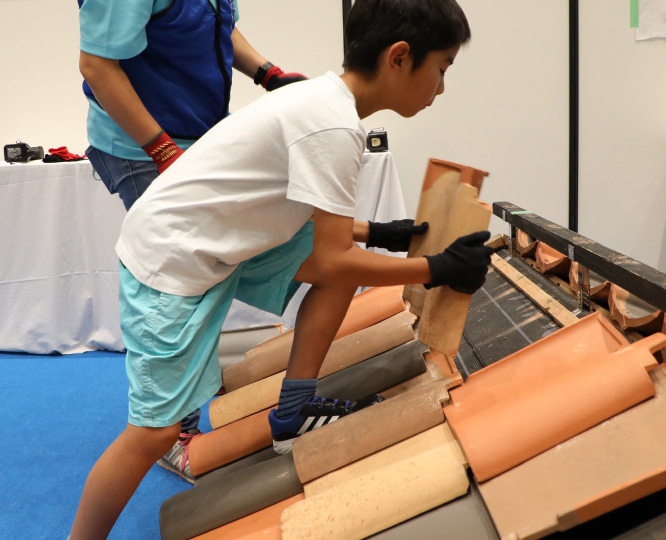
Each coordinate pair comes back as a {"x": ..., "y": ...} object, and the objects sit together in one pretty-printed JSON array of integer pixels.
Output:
[{"x": 183, "y": 77}]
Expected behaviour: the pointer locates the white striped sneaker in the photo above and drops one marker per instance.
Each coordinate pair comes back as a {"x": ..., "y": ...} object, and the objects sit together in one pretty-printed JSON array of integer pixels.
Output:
[
  {"x": 313, "y": 414},
  {"x": 177, "y": 460}
]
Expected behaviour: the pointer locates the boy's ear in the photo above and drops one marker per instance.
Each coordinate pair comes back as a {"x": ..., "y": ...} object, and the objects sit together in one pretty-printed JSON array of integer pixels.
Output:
[{"x": 398, "y": 54}]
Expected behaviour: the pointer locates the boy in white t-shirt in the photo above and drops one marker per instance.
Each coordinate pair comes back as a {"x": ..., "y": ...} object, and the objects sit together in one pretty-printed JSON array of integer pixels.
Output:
[{"x": 261, "y": 203}]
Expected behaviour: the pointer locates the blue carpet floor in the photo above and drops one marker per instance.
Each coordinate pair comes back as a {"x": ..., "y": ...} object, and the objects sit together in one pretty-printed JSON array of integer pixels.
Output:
[{"x": 62, "y": 412}]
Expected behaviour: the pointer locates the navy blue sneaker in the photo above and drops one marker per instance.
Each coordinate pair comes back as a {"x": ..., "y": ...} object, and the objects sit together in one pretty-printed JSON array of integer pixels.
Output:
[{"x": 313, "y": 414}]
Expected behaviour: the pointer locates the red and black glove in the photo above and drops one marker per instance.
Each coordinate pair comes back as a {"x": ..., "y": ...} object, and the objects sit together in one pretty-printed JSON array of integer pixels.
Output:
[
  {"x": 163, "y": 151},
  {"x": 394, "y": 235},
  {"x": 59, "y": 154},
  {"x": 272, "y": 77},
  {"x": 463, "y": 265}
]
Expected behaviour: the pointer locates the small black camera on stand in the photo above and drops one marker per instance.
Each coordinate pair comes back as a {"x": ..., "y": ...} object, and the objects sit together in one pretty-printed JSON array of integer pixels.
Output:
[
  {"x": 22, "y": 152},
  {"x": 377, "y": 140}
]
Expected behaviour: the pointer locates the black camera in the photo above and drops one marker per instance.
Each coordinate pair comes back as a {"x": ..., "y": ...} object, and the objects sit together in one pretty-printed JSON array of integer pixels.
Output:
[
  {"x": 22, "y": 152},
  {"x": 377, "y": 140}
]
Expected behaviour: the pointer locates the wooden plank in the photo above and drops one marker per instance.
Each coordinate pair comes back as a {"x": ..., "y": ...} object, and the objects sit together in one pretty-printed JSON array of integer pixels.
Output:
[{"x": 547, "y": 303}]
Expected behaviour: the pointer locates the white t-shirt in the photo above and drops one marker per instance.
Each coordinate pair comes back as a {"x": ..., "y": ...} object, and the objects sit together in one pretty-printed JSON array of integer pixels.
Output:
[{"x": 246, "y": 186}]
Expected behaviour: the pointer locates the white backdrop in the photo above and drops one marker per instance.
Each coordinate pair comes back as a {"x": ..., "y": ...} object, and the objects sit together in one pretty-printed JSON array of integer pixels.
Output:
[{"x": 505, "y": 108}]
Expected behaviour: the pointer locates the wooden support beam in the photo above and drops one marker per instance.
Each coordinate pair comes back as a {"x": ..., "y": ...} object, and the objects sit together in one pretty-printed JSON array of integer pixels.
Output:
[{"x": 547, "y": 303}]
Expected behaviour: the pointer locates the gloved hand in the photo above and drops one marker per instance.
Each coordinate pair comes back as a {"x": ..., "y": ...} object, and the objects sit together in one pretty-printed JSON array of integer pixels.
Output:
[
  {"x": 272, "y": 77},
  {"x": 163, "y": 151},
  {"x": 463, "y": 265},
  {"x": 395, "y": 235}
]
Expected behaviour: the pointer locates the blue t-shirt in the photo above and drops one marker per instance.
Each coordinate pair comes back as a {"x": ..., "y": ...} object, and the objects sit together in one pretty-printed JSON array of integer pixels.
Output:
[{"x": 117, "y": 29}]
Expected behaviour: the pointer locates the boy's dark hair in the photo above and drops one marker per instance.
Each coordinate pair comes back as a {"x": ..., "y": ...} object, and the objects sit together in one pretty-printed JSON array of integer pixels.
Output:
[{"x": 427, "y": 25}]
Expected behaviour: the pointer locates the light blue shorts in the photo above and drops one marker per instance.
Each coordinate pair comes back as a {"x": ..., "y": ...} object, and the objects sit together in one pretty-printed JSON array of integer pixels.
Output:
[{"x": 171, "y": 340}]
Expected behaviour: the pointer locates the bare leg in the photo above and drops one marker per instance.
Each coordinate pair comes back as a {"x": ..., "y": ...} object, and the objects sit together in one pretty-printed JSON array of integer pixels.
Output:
[
  {"x": 319, "y": 317},
  {"x": 115, "y": 477}
]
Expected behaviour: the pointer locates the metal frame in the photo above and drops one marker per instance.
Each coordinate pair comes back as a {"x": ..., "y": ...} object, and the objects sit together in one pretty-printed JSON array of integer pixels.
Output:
[{"x": 642, "y": 280}]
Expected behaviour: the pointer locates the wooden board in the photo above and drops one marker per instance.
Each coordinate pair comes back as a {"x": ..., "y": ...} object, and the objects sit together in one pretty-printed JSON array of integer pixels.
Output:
[
  {"x": 646, "y": 283},
  {"x": 547, "y": 303}
]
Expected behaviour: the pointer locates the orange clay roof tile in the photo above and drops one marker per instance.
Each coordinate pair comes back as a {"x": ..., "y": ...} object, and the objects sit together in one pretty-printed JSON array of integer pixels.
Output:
[
  {"x": 608, "y": 466},
  {"x": 548, "y": 392}
]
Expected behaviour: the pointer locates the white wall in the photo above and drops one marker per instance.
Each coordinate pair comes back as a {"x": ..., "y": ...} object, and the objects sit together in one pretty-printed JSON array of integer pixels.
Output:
[
  {"x": 41, "y": 102},
  {"x": 505, "y": 108},
  {"x": 623, "y": 134}
]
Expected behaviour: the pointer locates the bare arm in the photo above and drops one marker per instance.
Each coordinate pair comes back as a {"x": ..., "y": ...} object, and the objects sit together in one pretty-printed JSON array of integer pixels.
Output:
[
  {"x": 337, "y": 259},
  {"x": 246, "y": 59},
  {"x": 117, "y": 96},
  {"x": 361, "y": 231}
]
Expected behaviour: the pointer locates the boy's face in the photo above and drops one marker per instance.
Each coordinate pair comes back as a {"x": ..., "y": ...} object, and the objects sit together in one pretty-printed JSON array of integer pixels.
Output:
[{"x": 422, "y": 85}]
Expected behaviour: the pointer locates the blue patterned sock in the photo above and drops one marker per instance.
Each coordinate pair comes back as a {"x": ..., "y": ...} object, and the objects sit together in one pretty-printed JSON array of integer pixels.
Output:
[{"x": 294, "y": 393}]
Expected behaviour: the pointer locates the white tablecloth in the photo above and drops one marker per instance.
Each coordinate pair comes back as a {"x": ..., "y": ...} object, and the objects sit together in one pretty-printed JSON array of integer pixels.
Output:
[{"x": 58, "y": 272}]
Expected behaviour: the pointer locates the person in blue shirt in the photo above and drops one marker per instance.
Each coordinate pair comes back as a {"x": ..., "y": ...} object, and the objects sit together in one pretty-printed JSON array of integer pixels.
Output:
[{"x": 158, "y": 76}]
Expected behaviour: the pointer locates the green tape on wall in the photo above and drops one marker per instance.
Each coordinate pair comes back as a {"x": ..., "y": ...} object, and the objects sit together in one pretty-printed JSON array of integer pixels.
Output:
[{"x": 633, "y": 13}]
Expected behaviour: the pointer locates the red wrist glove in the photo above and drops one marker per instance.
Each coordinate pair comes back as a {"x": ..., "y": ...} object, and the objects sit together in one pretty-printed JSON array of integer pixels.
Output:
[
  {"x": 163, "y": 151},
  {"x": 272, "y": 77}
]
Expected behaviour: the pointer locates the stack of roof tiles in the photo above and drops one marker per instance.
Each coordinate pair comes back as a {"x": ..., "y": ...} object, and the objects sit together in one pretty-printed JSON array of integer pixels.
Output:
[{"x": 558, "y": 433}]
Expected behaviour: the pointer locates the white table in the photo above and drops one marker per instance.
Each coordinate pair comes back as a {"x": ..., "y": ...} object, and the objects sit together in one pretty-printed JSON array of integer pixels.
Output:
[{"x": 59, "y": 274}]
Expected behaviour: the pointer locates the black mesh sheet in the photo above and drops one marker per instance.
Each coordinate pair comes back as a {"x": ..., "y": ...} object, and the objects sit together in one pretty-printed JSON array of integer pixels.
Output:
[
  {"x": 501, "y": 320},
  {"x": 466, "y": 360}
]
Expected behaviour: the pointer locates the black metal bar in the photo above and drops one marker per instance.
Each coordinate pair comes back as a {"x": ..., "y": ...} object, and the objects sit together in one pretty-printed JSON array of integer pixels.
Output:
[
  {"x": 645, "y": 282},
  {"x": 573, "y": 114}
]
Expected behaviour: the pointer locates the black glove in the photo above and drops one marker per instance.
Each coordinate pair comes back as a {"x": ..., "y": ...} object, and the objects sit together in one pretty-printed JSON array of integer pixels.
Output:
[
  {"x": 272, "y": 77},
  {"x": 395, "y": 235},
  {"x": 463, "y": 265}
]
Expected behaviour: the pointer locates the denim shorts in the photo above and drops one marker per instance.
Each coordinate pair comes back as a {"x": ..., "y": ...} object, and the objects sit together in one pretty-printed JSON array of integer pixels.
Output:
[
  {"x": 171, "y": 341},
  {"x": 127, "y": 177}
]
